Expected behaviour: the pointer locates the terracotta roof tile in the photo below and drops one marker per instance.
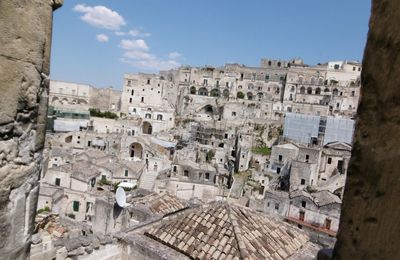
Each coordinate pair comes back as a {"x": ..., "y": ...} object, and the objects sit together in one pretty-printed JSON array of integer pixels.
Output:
[{"x": 224, "y": 231}]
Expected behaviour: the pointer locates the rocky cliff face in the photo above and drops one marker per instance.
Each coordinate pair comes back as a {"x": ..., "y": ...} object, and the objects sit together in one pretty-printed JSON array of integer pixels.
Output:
[
  {"x": 25, "y": 29},
  {"x": 369, "y": 227}
]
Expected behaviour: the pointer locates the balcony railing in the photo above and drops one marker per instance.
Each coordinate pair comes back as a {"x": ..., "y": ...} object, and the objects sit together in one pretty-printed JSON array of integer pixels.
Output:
[{"x": 312, "y": 226}]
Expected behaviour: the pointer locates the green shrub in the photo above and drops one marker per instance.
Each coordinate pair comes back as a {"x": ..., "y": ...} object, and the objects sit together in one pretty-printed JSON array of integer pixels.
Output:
[
  {"x": 45, "y": 209},
  {"x": 240, "y": 95},
  {"x": 97, "y": 113},
  {"x": 263, "y": 150},
  {"x": 210, "y": 155}
]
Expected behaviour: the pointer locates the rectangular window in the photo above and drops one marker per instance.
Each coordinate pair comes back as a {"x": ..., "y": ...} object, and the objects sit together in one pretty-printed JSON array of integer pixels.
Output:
[
  {"x": 307, "y": 157},
  {"x": 302, "y": 215},
  {"x": 75, "y": 206},
  {"x": 277, "y": 206},
  {"x": 186, "y": 173},
  {"x": 303, "y": 181},
  {"x": 280, "y": 157},
  {"x": 87, "y": 207},
  {"x": 126, "y": 173},
  {"x": 278, "y": 170},
  {"x": 327, "y": 223},
  {"x": 329, "y": 160},
  {"x": 303, "y": 203},
  {"x": 58, "y": 181}
]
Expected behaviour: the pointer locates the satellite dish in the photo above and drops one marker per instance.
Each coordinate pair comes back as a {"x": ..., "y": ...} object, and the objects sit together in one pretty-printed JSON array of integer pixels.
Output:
[{"x": 120, "y": 196}]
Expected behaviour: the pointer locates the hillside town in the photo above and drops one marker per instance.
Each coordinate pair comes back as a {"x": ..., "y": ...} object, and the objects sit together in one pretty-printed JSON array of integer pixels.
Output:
[{"x": 230, "y": 162}]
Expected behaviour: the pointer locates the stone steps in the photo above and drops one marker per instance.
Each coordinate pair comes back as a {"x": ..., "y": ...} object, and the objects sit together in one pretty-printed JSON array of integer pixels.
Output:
[{"x": 147, "y": 180}]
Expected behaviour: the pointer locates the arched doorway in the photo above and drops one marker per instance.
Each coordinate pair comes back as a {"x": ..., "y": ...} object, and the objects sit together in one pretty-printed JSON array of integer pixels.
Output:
[
  {"x": 136, "y": 151},
  {"x": 203, "y": 92},
  {"x": 215, "y": 92},
  {"x": 147, "y": 128}
]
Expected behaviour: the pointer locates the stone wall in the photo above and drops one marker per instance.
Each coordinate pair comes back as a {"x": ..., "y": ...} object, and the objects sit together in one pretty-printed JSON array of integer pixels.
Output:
[
  {"x": 25, "y": 28},
  {"x": 369, "y": 227}
]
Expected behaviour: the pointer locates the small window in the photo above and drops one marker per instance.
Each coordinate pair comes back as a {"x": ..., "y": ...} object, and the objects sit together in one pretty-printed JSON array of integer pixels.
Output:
[
  {"x": 329, "y": 160},
  {"x": 58, "y": 182},
  {"x": 75, "y": 206},
  {"x": 148, "y": 81},
  {"x": 186, "y": 173},
  {"x": 126, "y": 173},
  {"x": 174, "y": 169},
  {"x": 132, "y": 92},
  {"x": 277, "y": 206},
  {"x": 159, "y": 117},
  {"x": 302, "y": 181},
  {"x": 303, "y": 203},
  {"x": 280, "y": 157},
  {"x": 307, "y": 158},
  {"x": 278, "y": 170},
  {"x": 233, "y": 113},
  {"x": 207, "y": 176},
  {"x": 142, "y": 99},
  {"x": 353, "y": 93},
  {"x": 130, "y": 100}
]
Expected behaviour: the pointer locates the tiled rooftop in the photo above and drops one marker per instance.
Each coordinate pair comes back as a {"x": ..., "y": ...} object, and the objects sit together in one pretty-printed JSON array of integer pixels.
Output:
[
  {"x": 225, "y": 231},
  {"x": 160, "y": 203}
]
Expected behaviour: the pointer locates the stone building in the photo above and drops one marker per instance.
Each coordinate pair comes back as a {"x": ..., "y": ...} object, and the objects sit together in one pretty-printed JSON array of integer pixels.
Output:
[{"x": 82, "y": 96}]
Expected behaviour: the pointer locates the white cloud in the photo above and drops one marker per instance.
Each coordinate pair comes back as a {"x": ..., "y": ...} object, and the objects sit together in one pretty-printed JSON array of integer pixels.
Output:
[
  {"x": 133, "y": 44},
  {"x": 139, "y": 55},
  {"x": 174, "y": 55},
  {"x": 148, "y": 61},
  {"x": 102, "y": 38},
  {"x": 100, "y": 16},
  {"x": 137, "y": 33},
  {"x": 120, "y": 33}
]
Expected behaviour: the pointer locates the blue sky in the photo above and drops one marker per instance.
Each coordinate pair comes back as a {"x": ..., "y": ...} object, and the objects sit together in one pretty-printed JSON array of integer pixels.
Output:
[{"x": 96, "y": 42}]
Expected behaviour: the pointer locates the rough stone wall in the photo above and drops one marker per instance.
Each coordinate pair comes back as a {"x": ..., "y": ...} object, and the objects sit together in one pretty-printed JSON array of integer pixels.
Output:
[
  {"x": 369, "y": 227},
  {"x": 25, "y": 29}
]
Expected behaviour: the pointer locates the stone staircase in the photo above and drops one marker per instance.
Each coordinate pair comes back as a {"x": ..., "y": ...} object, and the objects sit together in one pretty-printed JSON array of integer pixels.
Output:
[{"x": 147, "y": 180}]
